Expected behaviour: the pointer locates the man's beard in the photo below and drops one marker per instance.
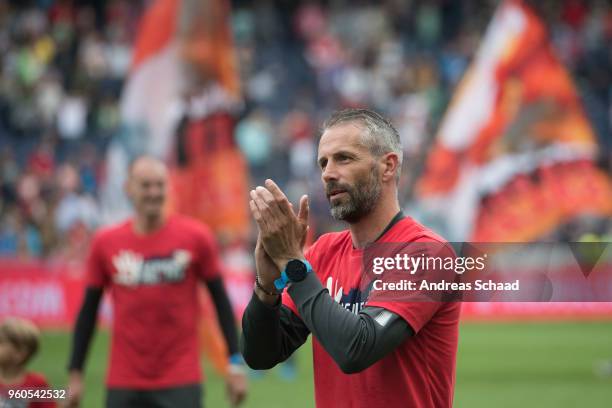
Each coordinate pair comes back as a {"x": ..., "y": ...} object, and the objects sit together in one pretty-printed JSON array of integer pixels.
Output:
[{"x": 362, "y": 198}]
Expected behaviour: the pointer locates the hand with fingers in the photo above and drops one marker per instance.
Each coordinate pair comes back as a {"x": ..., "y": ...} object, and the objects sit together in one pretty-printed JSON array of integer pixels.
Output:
[
  {"x": 75, "y": 390},
  {"x": 266, "y": 273},
  {"x": 236, "y": 387},
  {"x": 281, "y": 231}
]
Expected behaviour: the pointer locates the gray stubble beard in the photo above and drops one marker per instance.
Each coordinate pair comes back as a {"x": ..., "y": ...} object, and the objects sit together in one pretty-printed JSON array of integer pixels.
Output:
[{"x": 363, "y": 198}]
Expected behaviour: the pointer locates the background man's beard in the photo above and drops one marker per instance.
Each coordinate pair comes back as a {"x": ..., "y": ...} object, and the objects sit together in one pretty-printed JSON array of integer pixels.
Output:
[{"x": 362, "y": 199}]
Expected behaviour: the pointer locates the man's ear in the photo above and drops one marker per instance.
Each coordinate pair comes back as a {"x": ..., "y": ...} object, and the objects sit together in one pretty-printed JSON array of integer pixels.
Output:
[{"x": 390, "y": 163}]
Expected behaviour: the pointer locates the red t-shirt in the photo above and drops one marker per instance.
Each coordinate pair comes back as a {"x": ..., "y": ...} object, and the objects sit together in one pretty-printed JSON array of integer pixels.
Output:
[
  {"x": 32, "y": 381},
  {"x": 153, "y": 283},
  {"x": 420, "y": 373}
]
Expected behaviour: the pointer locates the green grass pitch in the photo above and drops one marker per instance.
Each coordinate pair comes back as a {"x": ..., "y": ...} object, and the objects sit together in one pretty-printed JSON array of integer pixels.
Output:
[{"x": 499, "y": 364}]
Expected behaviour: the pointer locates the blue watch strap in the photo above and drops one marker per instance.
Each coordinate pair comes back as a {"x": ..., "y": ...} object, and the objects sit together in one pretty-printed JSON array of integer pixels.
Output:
[
  {"x": 281, "y": 283},
  {"x": 236, "y": 359},
  {"x": 308, "y": 266}
]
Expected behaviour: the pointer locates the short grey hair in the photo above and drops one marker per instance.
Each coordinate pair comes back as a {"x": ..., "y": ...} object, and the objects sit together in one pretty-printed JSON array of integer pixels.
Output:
[{"x": 381, "y": 136}]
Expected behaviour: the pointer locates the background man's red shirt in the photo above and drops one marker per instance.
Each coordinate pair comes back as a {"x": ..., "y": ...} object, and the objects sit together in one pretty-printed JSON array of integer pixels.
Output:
[{"x": 153, "y": 283}]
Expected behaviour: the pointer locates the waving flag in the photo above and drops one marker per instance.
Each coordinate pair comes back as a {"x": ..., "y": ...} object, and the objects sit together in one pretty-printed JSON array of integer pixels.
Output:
[
  {"x": 514, "y": 156},
  {"x": 183, "y": 71}
]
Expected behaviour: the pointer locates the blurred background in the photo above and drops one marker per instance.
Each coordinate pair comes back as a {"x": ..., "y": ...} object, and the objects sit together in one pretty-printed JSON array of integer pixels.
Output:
[{"x": 504, "y": 109}]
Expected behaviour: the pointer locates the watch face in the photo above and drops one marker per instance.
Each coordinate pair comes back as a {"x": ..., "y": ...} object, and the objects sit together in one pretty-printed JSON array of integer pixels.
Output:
[{"x": 296, "y": 270}]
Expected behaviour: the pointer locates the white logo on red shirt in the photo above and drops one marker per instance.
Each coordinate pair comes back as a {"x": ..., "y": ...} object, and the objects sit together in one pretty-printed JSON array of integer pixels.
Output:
[
  {"x": 133, "y": 269},
  {"x": 353, "y": 300}
]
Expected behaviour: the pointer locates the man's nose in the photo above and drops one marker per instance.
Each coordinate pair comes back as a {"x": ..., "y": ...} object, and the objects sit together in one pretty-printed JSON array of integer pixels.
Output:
[
  {"x": 154, "y": 189},
  {"x": 330, "y": 173}
]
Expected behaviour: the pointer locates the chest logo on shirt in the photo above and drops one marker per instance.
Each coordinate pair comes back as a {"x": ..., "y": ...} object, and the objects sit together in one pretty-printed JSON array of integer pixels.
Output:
[
  {"x": 353, "y": 300},
  {"x": 133, "y": 269}
]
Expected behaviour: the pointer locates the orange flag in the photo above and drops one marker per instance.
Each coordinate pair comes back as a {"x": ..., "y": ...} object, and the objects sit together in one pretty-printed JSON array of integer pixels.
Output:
[{"x": 514, "y": 155}]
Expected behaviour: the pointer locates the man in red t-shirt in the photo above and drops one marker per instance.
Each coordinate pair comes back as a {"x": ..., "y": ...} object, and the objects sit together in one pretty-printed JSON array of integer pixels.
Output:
[
  {"x": 151, "y": 265},
  {"x": 369, "y": 349},
  {"x": 19, "y": 342}
]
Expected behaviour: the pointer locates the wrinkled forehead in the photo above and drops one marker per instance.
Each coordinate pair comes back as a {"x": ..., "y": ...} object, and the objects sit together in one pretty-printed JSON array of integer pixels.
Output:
[{"x": 346, "y": 136}]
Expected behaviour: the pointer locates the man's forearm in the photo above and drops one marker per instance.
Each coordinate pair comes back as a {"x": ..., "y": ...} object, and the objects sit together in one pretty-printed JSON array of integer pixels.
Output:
[
  {"x": 270, "y": 334},
  {"x": 84, "y": 328},
  {"x": 225, "y": 314},
  {"x": 354, "y": 341}
]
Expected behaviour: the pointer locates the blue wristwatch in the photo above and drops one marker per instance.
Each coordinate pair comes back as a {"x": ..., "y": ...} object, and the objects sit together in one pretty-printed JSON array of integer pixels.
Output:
[
  {"x": 236, "y": 364},
  {"x": 236, "y": 359},
  {"x": 295, "y": 271}
]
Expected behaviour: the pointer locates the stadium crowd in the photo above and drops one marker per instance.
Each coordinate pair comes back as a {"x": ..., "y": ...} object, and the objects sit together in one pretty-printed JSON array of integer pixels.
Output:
[{"x": 62, "y": 66}]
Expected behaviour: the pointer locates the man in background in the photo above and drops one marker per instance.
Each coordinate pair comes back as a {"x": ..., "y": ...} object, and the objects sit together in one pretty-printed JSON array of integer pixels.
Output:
[{"x": 152, "y": 265}]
